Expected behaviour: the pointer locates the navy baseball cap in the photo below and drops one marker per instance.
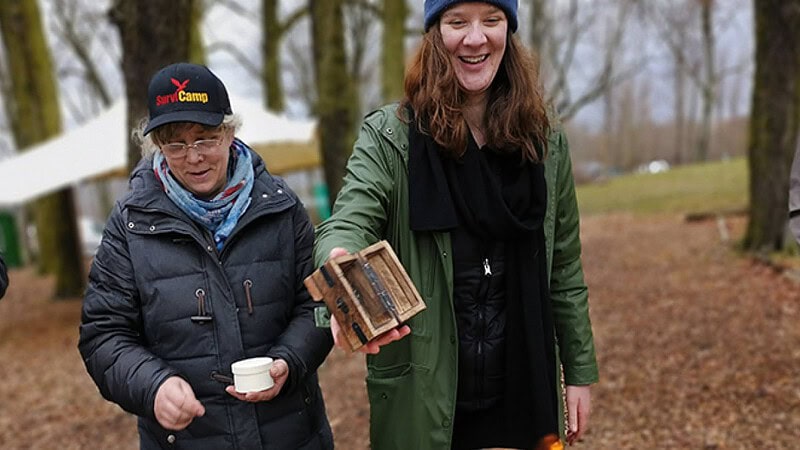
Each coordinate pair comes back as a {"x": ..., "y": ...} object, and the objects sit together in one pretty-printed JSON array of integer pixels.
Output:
[{"x": 184, "y": 92}]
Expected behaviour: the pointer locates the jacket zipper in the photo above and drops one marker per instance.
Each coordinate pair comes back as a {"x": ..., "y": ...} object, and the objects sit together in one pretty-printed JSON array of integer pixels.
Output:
[{"x": 483, "y": 292}]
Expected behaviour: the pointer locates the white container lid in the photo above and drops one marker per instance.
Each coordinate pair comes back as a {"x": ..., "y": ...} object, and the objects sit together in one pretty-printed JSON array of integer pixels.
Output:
[{"x": 251, "y": 366}]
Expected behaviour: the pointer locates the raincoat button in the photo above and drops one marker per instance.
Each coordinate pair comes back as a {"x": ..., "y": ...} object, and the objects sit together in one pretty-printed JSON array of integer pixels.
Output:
[
  {"x": 307, "y": 400},
  {"x": 446, "y": 423},
  {"x": 209, "y": 248},
  {"x": 444, "y": 254},
  {"x": 152, "y": 228},
  {"x": 264, "y": 195},
  {"x": 171, "y": 438},
  {"x": 384, "y": 396},
  {"x": 389, "y": 131},
  {"x": 130, "y": 225}
]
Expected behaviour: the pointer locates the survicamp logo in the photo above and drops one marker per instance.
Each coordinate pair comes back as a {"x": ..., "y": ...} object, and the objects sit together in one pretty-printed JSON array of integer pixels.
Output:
[{"x": 181, "y": 95}]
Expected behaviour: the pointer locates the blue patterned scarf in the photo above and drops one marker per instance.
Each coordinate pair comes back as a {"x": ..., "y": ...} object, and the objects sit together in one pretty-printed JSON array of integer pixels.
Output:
[{"x": 221, "y": 213}]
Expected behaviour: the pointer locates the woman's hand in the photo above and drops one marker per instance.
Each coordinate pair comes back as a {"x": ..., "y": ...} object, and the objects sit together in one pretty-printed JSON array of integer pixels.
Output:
[
  {"x": 578, "y": 408},
  {"x": 373, "y": 346},
  {"x": 279, "y": 373},
  {"x": 175, "y": 405}
]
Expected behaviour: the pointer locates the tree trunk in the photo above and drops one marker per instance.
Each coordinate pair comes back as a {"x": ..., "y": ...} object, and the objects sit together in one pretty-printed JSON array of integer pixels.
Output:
[
  {"x": 197, "y": 51},
  {"x": 154, "y": 34},
  {"x": 680, "y": 109},
  {"x": 35, "y": 116},
  {"x": 393, "y": 56},
  {"x": 539, "y": 25},
  {"x": 774, "y": 121},
  {"x": 708, "y": 86},
  {"x": 610, "y": 133},
  {"x": 271, "y": 73},
  {"x": 336, "y": 100}
]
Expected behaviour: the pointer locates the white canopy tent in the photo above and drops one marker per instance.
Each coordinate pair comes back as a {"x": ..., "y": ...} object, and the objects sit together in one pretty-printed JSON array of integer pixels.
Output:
[{"x": 100, "y": 147}]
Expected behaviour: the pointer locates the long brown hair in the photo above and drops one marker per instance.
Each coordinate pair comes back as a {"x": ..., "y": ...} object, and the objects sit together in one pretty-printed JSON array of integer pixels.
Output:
[{"x": 516, "y": 117}]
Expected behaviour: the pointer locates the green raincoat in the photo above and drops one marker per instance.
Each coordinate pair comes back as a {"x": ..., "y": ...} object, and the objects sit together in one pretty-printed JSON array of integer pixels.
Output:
[{"x": 412, "y": 382}]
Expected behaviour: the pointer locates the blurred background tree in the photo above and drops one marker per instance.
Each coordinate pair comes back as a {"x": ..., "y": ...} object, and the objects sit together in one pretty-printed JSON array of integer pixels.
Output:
[
  {"x": 32, "y": 104},
  {"x": 774, "y": 121},
  {"x": 153, "y": 34},
  {"x": 664, "y": 82}
]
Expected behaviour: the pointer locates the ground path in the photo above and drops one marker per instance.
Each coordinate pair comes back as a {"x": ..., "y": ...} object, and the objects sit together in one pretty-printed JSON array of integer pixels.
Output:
[{"x": 698, "y": 349}]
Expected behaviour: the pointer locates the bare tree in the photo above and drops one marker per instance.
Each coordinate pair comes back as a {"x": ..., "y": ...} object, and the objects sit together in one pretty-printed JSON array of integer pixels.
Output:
[
  {"x": 359, "y": 23},
  {"x": 689, "y": 31},
  {"x": 77, "y": 28},
  {"x": 336, "y": 102},
  {"x": 708, "y": 82},
  {"x": 393, "y": 56},
  {"x": 84, "y": 30},
  {"x": 35, "y": 116},
  {"x": 672, "y": 22},
  {"x": 302, "y": 68},
  {"x": 774, "y": 121},
  {"x": 151, "y": 39},
  {"x": 557, "y": 47},
  {"x": 274, "y": 31}
]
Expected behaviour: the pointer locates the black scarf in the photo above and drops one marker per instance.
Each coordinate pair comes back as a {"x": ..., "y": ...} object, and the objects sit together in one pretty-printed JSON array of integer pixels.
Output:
[{"x": 498, "y": 197}]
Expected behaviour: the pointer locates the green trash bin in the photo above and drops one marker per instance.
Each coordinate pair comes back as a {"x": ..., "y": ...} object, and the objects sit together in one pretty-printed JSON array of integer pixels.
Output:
[
  {"x": 321, "y": 200},
  {"x": 9, "y": 240}
]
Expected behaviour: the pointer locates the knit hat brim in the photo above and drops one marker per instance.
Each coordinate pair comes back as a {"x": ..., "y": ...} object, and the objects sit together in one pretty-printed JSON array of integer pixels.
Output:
[{"x": 435, "y": 8}]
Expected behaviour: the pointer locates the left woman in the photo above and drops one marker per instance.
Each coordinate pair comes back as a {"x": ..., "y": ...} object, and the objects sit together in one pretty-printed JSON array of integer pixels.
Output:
[{"x": 202, "y": 264}]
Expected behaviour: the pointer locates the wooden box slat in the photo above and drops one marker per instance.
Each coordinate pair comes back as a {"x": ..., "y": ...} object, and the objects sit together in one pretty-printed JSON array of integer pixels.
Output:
[{"x": 352, "y": 293}]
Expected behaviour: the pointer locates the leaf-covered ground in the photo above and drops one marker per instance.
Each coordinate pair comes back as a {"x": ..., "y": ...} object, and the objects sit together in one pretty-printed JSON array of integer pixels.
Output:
[{"x": 699, "y": 348}]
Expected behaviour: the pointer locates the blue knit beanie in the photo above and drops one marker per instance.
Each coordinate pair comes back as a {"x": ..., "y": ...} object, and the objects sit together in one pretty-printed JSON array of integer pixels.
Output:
[{"x": 434, "y": 8}]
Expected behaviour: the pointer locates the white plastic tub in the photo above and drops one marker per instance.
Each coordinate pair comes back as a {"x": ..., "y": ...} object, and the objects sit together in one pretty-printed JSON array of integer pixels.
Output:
[{"x": 252, "y": 375}]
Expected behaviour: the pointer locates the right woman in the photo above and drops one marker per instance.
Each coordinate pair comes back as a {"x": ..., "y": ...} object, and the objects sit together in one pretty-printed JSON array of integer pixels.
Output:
[{"x": 470, "y": 181}]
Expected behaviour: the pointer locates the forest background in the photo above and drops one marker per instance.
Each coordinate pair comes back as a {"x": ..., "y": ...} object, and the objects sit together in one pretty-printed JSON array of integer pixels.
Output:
[{"x": 640, "y": 85}]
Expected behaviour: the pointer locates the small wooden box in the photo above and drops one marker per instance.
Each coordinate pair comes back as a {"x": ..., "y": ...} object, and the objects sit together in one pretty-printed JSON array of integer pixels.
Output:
[{"x": 368, "y": 292}]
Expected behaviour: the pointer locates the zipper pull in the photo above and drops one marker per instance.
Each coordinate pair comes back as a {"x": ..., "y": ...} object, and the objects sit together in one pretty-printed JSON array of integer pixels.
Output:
[
  {"x": 487, "y": 269},
  {"x": 247, "y": 285}
]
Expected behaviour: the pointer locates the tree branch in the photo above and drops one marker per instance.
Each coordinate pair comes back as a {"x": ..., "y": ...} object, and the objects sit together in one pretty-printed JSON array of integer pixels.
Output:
[
  {"x": 292, "y": 19},
  {"x": 235, "y": 53}
]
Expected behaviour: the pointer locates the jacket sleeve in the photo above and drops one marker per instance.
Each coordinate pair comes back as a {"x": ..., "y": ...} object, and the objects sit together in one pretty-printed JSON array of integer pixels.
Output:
[
  {"x": 567, "y": 288},
  {"x": 3, "y": 277},
  {"x": 302, "y": 345},
  {"x": 111, "y": 344},
  {"x": 361, "y": 209}
]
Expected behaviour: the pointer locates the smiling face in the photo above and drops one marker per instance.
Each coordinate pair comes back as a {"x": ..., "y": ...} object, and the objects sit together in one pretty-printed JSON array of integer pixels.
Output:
[
  {"x": 204, "y": 174},
  {"x": 475, "y": 35}
]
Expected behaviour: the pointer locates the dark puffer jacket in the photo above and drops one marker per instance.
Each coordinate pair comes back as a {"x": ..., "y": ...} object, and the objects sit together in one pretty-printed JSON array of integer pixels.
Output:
[
  {"x": 152, "y": 270},
  {"x": 480, "y": 307}
]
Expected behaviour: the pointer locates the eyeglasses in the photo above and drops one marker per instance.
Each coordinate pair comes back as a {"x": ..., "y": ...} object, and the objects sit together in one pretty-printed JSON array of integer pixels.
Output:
[{"x": 177, "y": 150}]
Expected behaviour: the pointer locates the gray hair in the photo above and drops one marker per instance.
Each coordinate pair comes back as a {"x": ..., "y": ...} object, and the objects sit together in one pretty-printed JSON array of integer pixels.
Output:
[{"x": 149, "y": 145}]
